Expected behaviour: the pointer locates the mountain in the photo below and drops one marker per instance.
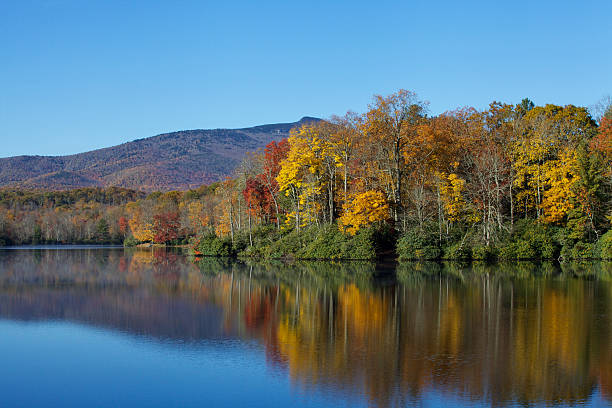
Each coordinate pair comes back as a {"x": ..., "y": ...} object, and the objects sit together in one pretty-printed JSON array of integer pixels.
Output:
[{"x": 170, "y": 161}]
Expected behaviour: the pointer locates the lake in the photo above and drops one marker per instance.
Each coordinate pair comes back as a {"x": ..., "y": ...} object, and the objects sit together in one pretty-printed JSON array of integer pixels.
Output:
[{"x": 108, "y": 327}]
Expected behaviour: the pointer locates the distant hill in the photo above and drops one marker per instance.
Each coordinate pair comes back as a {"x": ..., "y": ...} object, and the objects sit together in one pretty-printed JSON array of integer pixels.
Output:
[{"x": 170, "y": 161}]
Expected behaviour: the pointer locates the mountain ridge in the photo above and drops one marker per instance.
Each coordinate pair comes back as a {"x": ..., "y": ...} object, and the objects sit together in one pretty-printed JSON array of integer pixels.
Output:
[{"x": 169, "y": 161}]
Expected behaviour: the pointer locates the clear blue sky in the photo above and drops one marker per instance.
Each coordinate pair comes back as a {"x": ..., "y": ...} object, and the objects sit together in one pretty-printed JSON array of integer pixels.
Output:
[{"x": 77, "y": 75}]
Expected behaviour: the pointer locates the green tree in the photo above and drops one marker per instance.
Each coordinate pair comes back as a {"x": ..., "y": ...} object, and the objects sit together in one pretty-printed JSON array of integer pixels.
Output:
[{"x": 102, "y": 234}]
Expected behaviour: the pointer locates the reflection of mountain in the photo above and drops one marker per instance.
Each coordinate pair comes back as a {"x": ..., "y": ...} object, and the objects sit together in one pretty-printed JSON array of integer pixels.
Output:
[
  {"x": 495, "y": 338},
  {"x": 137, "y": 293},
  {"x": 132, "y": 311}
]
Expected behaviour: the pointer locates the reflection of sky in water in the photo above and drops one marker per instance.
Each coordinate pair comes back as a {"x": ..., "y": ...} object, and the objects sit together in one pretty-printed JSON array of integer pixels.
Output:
[
  {"x": 70, "y": 365},
  {"x": 108, "y": 327}
]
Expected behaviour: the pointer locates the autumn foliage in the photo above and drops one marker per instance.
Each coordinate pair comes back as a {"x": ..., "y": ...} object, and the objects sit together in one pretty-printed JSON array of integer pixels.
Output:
[
  {"x": 166, "y": 227},
  {"x": 365, "y": 209},
  {"x": 466, "y": 182}
]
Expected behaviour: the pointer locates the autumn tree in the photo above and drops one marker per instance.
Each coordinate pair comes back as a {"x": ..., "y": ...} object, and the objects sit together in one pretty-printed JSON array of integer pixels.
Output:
[
  {"x": 123, "y": 226},
  {"x": 246, "y": 171},
  {"x": 347, "y": 142},
  {"x": 258, "y": 199},
  {"x": 196, "y": 218},
  {"x": 487, "y": 166},
  {"x": 140, "y": 221},
  {"x": 437, "y": 150},
  {"x": 303, "y": 175},
  {"x": 548, "y": 132},
  {"x": 166, "y": 227},
  {"x": 226, "y": 207},
  {"x": 602, "y": 142},
  {"x": 363, "y": 210},
  {"x": 560, "y": 177},
  {"x": 274, "y": 154},
  {"x": 391, "y": 126}
]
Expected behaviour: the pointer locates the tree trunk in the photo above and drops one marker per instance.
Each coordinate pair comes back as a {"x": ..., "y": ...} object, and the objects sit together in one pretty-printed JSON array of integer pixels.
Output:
[
  {"x": 250, "y": 233},
  {"x": 231, "y": 220},
  {"x": 297, "y": 212},
  {"x": 439, "y": 211}
]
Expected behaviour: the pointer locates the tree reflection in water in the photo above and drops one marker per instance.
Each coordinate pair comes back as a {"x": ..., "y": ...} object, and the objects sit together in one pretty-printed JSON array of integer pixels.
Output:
[{"x": 519, "y": 333}]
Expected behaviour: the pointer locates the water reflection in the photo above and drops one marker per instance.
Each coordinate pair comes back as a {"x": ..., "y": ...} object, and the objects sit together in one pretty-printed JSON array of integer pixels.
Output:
[{"x": 514, "y": 334}]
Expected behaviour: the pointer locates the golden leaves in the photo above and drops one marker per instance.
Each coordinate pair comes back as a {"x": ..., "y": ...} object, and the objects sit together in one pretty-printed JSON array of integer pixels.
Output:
[{"x": 365, "y": 209}]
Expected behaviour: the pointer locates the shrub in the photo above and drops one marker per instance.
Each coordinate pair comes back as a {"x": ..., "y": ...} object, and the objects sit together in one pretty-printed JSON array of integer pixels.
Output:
[
  {"x": 530, "y": 240},
  {"x": 263, "y": 237},
  {"x": 287, "y": 245},
  {"x": 360, "y": 246},
  {"x": 484, "y": 253},
  {"x": 603, "y": 248},
  {"x": 211, "y": 245},
  {"x": 417, "y": 244},
  {"x": 327, "y": 244},
  {"x": 459, "y": 252},
  {"x": 566, "y": 251},
  {"x": 266, "y": 233},
  {"x": 540, "y": 239},
  {"x": 130, "y": 242},
  {"x": 549, "y": 250},
  {"x": 525, "y": 250},
  {"x": 241, "y": 242},
  {"x": 582, "y": 250},
  {"x": 519, "y": 250},
  {"x": 507, "y": 251}
]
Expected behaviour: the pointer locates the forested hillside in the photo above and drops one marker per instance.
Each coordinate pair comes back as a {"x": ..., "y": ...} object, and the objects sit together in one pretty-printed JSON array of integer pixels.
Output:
[
  {"x": 171, "y": 161},
  {"x": 508, "y": 182}
]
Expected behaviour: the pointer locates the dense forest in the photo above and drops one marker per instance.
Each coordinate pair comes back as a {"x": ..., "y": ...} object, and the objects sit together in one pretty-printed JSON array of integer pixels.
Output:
[
  {"x": 510, "y": 182},
  {"x": 99, "y": 216}
]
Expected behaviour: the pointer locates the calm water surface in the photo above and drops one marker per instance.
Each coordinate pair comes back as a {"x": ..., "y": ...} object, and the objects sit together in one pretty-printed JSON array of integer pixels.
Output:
[{"x": 111, "y": 328}]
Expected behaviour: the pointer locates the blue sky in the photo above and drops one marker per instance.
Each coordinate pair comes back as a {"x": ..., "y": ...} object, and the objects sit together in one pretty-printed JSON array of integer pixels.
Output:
[{"x": 78, "y": 75}]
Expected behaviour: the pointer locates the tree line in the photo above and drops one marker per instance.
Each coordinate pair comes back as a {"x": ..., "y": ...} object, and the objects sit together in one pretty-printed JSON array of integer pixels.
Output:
[
  {"x": 510, "y": 181},
  {"x": 99, "y": 216}
]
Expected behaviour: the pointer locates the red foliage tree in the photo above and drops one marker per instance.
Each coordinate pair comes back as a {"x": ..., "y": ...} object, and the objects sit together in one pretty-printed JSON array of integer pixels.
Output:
[
  {"x": 166, "y": 227},
  {"x": 274, "y": 153},
  {"x": 603, "y": 140},
  {"x": 123, "y": 226},
  {"x": 258, "y": 199}
]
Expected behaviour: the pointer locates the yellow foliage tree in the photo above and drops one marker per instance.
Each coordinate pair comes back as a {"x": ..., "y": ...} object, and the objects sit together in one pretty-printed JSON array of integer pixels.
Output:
[
  {"x": 365, "y": 209},
  {"x": 548, "y": 132},
  {"x": 530, "y": 159},
  {"x": 302, "y": 173},
  {"x": 142, "y": 229},
  {"x": 451, "y": 188},
  {"x": 226, "y": 208},
  {"x": 559, "y": 178},
  {"x": 224, "y": 220}
]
